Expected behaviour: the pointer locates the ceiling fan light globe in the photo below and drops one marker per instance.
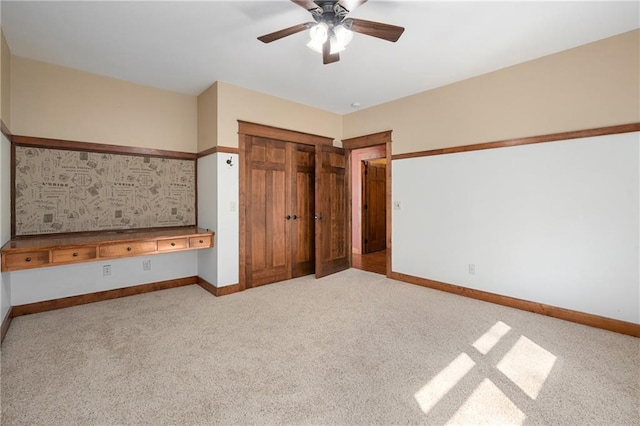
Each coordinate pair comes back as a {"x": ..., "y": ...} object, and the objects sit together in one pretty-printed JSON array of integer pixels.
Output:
[
  {"x": 319, "y": 32},
  {"x": 315, "y": 46},
  {"x": 343, "y": 35},
  {"x": 335, "y": 46}
]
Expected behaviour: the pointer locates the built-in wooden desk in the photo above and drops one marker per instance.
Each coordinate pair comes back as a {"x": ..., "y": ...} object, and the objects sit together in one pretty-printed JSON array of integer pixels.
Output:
[{"x": 49, "y": 250}]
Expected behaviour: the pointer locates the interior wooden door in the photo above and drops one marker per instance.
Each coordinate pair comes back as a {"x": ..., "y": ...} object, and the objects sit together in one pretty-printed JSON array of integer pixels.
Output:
[
  {"x": 333, "y": 225},
  {"x": 374, "y": 206},
  {"x": 302, "y": 208},
  {"x": 267, "y": 236},
  {"x": 280, "y": 233}
]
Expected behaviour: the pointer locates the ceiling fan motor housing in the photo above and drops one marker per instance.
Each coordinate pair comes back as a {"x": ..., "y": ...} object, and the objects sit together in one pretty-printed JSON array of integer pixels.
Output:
[{"x": 329, "y": 12}]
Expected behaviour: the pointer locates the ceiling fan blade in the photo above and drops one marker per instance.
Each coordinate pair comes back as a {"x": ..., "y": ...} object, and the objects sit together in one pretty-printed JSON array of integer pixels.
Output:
[
  {"x": 268, "y": 38},
  {"x": 327, "y": 57},
  {"x": 350, "y": 5},
  {"x": 376, "y": 29},
  {"x": 307, "y": 4}
]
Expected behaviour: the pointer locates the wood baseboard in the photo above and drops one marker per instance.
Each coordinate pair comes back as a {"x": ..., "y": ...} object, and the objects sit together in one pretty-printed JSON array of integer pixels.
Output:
[
  {"x": 66, "y": 302},
  {"x": 5, "y": 324},
  {"x": 218, "y": 291},
  {"x": 591, "y": 320}
]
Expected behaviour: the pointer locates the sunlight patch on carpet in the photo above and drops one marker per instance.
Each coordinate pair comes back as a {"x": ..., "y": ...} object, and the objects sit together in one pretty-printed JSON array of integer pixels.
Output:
[
  {"x": 487, "y": 405},
  {"x": 527, "y": 365},
  {"x": 488, "y": 340},
  {"x": 431, "y": 393}
]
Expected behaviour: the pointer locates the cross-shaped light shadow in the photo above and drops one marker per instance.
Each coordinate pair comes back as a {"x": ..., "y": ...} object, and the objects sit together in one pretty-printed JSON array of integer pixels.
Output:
[{"x": 526, "y": 364}]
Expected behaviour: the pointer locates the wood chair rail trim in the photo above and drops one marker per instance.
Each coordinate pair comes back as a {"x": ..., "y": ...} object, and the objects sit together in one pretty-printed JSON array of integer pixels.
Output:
[
  {"x": 554, "y": 137},
  {"x": 220, "y": 149},
  {"x": 99, "y": 147}
]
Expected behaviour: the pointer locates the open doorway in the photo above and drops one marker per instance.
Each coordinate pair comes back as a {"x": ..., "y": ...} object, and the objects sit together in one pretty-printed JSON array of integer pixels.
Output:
[{"x": 369, "y": 204}]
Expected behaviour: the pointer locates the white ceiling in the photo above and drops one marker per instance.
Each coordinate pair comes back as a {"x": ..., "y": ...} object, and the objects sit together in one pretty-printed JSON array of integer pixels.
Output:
[{"x": 185, "y": 46}]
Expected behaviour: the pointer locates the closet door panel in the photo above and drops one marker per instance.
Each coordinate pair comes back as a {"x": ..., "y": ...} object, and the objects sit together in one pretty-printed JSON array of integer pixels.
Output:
[
  {"x": 303, "y": 202},
  {"x": 276, "y": 229},
  {"x": 258, "y": 219},
  {"x": 268, "y": 244},
  {"x": 333, "y": 226}
]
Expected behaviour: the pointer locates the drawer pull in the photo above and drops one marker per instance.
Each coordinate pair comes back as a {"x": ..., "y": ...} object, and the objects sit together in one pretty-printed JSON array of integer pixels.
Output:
[
  {"x": 201, "y": 241},
  {"x": 173, "y": 244},
  {"x": 28, "y": 259},
  {"x": 128, "y": 248},
  {"x": 75, "y": 254}
]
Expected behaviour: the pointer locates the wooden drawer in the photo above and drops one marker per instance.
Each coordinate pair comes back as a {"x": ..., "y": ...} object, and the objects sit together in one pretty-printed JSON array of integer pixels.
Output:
[
  {"x": 26, "y": 260},
  {"x": 172, "y": 244},
  {"x": 51, "y": 251},
  {"x": 73, "y": 254},
  {"x": 198, "y": 242},
  {"x": 127, "y": 249}
]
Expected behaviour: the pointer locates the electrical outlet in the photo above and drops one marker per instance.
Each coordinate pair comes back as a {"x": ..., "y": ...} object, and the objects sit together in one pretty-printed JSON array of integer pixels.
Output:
[
  {"x": 146, "y": 265},
  {"x": 106, "y": 270},
  {"x": 472, "y": 269}
]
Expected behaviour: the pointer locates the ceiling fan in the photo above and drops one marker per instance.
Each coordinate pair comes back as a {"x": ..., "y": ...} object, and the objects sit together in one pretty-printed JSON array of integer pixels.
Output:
[{"x": 332, "y": 30}]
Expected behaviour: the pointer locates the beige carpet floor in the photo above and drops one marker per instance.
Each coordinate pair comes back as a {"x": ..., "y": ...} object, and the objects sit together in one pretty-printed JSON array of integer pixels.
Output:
[{"x": 353, "y": 348}]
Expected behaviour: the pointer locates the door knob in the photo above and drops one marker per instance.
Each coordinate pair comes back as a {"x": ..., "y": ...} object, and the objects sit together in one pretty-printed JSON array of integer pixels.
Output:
[
  {"x": 288, "y": 217},
  {"x": 318, "y": 217},
  {"x": 294, "y": 217}
]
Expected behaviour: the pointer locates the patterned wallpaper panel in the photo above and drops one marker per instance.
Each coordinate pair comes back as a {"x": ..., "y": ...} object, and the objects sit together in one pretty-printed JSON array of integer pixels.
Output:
[{"x": 60, "y": 191}]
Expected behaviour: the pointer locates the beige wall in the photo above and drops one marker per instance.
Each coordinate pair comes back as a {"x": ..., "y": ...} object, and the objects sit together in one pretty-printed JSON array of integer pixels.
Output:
[
  {"x": 61, "y": 103},
  {"x": 208, "y": 118},
  {"x": 5, "y": 82},
  {"x": 591, "y": 86},
  {"x": 236, "y": 103}
]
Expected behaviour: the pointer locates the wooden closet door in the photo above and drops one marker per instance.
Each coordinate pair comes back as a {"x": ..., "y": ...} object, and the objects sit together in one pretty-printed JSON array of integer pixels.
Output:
[
  {"x": 267, "y": 234},
  {"x": 281, "y": 204},
  {"x": 302, "y": 224}
]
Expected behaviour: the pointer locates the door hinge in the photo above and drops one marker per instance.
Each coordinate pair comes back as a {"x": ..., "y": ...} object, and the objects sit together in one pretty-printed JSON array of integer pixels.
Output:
[
  {"x": 366, "y": 207},
  {"x": 366, "y": 241}
]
